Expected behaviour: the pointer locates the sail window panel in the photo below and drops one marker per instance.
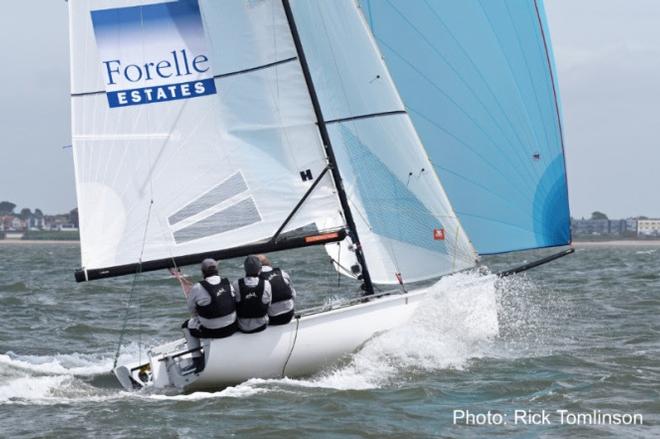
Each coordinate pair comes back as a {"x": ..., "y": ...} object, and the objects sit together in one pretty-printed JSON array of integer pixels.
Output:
[
  {"x": 349, "y": 75},
  {"x": 477, "y": 81},
  {"x": 246, "y": 34},
  {"x": 397, "y": 201},
  {"x": 241, "y": 214},
  {"x": 229, "y": 188}
]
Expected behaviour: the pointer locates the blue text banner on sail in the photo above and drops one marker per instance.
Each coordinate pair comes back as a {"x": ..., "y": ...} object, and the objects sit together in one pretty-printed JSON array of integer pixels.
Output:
[{"x": 153, "y": 53}]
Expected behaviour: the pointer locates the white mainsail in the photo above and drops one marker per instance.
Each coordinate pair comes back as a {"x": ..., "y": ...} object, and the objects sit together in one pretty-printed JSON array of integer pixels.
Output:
[
  {"x": 404, "y": 220},
  {"x": 182, "y": 176}
]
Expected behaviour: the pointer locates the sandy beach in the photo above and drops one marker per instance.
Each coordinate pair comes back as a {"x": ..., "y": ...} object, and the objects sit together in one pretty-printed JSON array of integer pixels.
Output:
[
  {"x": 35, "y": 242},
  {"x": 627, "y": 243}
]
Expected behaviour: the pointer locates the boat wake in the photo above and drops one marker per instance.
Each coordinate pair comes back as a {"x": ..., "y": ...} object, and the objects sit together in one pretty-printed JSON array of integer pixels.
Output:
[
  {"x": 455, "y": 324},
  {"x": 55, "y": 379}
]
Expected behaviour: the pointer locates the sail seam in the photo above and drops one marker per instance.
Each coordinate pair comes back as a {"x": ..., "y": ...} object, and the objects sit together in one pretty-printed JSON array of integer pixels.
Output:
[{"x": 366, "y": 116}]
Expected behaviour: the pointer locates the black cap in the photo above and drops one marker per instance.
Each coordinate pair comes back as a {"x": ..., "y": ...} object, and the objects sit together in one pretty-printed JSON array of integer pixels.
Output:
[
  {"x": 252, "y": 265},
  {"x": 209, "y": 267}
]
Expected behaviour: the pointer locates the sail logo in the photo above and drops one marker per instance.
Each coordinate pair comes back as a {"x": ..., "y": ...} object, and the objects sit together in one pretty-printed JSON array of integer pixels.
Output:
[{"x": 153, "y": 53}]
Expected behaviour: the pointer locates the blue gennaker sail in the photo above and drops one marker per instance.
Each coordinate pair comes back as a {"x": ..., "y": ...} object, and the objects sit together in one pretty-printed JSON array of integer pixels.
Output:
[{"x": 477, "y": 78}]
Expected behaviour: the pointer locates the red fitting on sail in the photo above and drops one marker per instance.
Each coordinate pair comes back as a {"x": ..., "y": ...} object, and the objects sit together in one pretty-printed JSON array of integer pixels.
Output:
[{"x": 439, "y": 234}]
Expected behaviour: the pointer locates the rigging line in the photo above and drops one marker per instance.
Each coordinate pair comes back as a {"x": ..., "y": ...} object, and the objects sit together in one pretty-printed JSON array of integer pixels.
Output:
[
  {"x": 551, "y": 73},
  {"x": 151, "y": 198},
  {"x": 131, "y": 291},
  {"x": 338, "y": 264},
  {"x": 458, "y": 107},
  {"x": 293, "y": 345},
  {"x": 554, "y": 91},
  {"x": 339, "y": 259},
  {"x": 300, "y": 203},
  {"x": 439, "y": 53}
]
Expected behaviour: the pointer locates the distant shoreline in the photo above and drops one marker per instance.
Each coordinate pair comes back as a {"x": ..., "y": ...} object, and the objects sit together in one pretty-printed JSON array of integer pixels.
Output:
[
  {"x": 619, "y": 243},
  {"x": 615, "y": 243},
  {"x": 37, "y": 241}
]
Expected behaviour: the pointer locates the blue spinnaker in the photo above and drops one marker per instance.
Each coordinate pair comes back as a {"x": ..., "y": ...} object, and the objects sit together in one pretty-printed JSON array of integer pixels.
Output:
[{"x": 477, "y": 79}]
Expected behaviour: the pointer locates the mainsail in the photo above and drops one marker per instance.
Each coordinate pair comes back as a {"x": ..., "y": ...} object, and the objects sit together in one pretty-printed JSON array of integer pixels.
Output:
[
  {"x": 476, "y": 77},
  {"x": 199, "y": 129},
  {"x": 193, "y": 132}
]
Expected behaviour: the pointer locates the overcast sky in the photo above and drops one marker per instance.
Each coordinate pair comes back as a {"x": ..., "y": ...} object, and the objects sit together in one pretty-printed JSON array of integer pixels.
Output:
[{"x": 608, "y": 57}]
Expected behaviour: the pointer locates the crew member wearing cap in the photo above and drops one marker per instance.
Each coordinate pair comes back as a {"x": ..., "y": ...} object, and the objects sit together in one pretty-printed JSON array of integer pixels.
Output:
[
  {"x": 252, "y": 298},
  {"x": 212, "y": 305},
  {"x": 280, "y": 310}
]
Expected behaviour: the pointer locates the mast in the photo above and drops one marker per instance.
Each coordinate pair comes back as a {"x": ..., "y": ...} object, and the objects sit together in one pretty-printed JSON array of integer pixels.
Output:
[{"x": 325, "y": 137}]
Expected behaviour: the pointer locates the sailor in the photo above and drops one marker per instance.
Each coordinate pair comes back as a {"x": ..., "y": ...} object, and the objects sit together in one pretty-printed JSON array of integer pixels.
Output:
[
  {"x": 281, "y": 306},
  {"x": 212, "y": 305},
  {"x": 253, "y": 296}
]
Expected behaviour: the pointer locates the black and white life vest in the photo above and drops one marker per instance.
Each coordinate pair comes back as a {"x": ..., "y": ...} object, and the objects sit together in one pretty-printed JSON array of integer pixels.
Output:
[
  {"x": 279, "y": 288},
  {"x": 222, "y": 302},
  {"x": 251, "y": 305}
]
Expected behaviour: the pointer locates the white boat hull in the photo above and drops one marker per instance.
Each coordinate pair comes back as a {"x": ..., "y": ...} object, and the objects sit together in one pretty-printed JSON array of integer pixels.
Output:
[{"x": 302, "y": 347}]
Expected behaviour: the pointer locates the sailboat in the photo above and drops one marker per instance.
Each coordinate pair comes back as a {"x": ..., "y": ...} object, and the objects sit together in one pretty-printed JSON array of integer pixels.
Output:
[{"x": 207, "y": 129}]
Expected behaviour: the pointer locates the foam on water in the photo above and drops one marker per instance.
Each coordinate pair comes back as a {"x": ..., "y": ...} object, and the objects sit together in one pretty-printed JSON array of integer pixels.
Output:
[
  {"x": 54, "y": 379},
  {"x": 454, "y": 324}
]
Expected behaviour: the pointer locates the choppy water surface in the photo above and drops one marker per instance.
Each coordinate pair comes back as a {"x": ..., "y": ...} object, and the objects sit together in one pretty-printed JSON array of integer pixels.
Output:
[{"x": 580, "y": 334}]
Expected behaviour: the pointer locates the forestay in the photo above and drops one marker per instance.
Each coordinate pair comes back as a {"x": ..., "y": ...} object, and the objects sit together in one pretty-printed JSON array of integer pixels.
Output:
[
  {"x": 477, "y": 80},
  {"x": 404, "y": 221},
  {"x": 193, "y": 129}
]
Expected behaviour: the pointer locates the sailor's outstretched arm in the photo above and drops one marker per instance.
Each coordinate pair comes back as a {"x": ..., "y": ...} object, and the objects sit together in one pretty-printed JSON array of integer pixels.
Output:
[{"x": 185, "y": 283}]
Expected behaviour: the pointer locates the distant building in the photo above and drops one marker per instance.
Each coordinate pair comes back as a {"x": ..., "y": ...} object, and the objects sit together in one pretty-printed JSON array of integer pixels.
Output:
[
  {"x": 617, "y": 227},
  {"x": 14, "y": 235},
  {"x": 631, "y": 226},
  {"x": 590, "y": 226},
  {"x": 648, "y": 227}
]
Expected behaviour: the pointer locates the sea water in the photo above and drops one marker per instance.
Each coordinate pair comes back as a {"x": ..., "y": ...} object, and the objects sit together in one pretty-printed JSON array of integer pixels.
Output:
[{"x": 581, "y": 334}]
